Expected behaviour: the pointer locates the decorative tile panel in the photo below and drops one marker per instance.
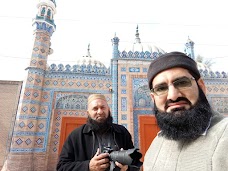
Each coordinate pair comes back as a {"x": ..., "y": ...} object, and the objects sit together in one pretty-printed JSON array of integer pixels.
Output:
[
  {"x": 123, "y": 104},
  {"x": 134, "y": 69},
  {"x": 220, "y": 104},
  {"x": 123, "y": 80},
  {"x": 123, "y": 69},
  {"x": 124, "y": 117},
  {"x": 28, "y": 141},
  {"x": 22, "y": 124},
  {"x": 19, "y": 141},
  {"x": 145, "y": 70},
  {"x": 124, "y": 91}
]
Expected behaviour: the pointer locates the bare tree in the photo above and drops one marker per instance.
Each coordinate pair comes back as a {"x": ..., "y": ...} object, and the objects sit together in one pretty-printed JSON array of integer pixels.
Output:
[{"x": 207, "y": 62}]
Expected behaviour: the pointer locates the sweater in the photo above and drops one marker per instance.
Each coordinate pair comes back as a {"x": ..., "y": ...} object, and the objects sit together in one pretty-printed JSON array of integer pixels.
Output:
[{"x": 207, "y": 153}]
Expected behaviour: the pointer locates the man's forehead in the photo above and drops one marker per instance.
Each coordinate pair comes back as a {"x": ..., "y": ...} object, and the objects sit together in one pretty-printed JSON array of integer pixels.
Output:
[
  {"x": 98, "y": 102},
  {"x": 93, "y": 97},
  {"x": 170, "y": 75}
]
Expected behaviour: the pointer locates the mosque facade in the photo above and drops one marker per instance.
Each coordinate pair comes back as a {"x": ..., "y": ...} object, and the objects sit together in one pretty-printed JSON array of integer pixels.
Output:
[{"x": 56, "y": 94}]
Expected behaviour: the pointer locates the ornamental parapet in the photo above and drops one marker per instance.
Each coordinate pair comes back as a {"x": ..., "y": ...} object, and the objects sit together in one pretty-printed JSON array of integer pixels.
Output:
[
  {"x": 139, "y": 55},
  {"x": 80, "y": 69},
  {"x": 211, "y": 74}
]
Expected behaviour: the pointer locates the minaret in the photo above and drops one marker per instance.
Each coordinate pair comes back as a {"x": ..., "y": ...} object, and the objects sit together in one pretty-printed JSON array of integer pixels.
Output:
[
  {"x": 189, "y": 48},
  {"x": 88, "y": 52},
  {"x": 137, "y": 46},
  {"x": 28, "y": 146},
  {"x": 137, "y": 39},
  {"x": 114, "y": 73},
  {"x": 115, "y": 45}
]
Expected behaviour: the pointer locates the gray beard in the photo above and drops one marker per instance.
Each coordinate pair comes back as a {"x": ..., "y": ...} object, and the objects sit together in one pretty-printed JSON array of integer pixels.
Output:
[
  {"x": 186, "y": 125},
  {"x": 98, "y": 126}
]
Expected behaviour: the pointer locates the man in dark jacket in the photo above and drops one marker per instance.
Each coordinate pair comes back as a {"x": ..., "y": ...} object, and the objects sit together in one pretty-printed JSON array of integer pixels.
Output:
[{"x": 84, "y": 148}]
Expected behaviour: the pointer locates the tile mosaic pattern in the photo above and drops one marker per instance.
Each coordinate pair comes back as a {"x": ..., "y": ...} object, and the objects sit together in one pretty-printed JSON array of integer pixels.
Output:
[{"x": 52, "y": 92}]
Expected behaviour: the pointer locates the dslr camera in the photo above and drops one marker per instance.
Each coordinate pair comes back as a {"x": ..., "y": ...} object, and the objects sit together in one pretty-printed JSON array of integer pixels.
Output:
[{"x": 130, "y": 157}]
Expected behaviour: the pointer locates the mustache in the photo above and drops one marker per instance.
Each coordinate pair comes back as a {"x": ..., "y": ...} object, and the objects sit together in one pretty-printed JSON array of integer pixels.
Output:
[
  {"x": 189, "y": 124},
  {"x": 100, "y": 127},
  {"x": 177, "y": 100}
]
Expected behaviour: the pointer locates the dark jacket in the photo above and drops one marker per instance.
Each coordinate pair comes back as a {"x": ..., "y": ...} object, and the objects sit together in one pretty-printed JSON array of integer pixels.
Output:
[{"x": 78, "y": 148}]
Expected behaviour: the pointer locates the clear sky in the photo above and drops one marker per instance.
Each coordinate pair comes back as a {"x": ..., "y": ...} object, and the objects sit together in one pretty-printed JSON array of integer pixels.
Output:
[{"x": 163, "y": 23}]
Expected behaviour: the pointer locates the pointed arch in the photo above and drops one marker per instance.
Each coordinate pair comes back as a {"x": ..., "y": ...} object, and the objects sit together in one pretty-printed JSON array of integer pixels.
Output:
[
  {"x": 74, "y": 101},
  {"x": 43, "y": 10},
  {"x": 142, "y": 97}
]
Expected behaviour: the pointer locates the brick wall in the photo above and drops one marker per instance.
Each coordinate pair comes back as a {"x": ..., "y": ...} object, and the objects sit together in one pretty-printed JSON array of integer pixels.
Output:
[{"x": 9, "y": 96}]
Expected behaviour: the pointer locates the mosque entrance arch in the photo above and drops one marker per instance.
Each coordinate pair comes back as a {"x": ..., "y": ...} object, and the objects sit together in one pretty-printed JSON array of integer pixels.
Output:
[
  {"x": 148, "y": 130},
  {"x": 67, "y": 126},
  {"x": 70, "y": 112},
  {"x": 145, "y": 124}
]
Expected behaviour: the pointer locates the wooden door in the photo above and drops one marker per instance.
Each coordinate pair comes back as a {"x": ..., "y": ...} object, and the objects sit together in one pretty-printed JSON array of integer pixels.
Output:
[
  {"x": 67, "y": 126},
  {"x": 148, "y": 131}
]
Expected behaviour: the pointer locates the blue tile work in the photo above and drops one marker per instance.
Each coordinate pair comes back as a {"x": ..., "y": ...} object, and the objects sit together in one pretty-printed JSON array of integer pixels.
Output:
[
  {"x": 44, "y": 26},
  {"x": 72, "y": 101},
  {"x": 123, "y": 69},
  {"x": 141, "y": 93},
  {"x": 80, "y": 69},
  {"x": 145, "y": 70},
  {"x": 139, "y": 55},
  {"x": 123, "y": 91},
  {"x": 217, "y": 93},
  {"x": 139, "y": 82},
  {"x": 124, "y": 117},
  {"x": 142, "y": 97},
  {"x": 79, "y": 83},
  {"x": 123, "y": 104},
  {"x": 61, "y": 98},
  {"x": 61, "y": 91},
  {"x": 210, "y": 74},
  {"x": 142, "y": 103},
  {"x": 134, "y": 69},
  {"x": 74, "y": 105},
  {"x": 220, "y": 104},
  {"x": 32, "y": 120},
  {"x": 114, "y": 74},
  {"x": 123, "y": 80}
]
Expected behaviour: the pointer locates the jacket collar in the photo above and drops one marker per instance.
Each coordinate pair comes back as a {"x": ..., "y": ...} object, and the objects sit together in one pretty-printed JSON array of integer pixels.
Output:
[
  {"x": 217, "y": 117},
  {"x": 115, "y": 128}
]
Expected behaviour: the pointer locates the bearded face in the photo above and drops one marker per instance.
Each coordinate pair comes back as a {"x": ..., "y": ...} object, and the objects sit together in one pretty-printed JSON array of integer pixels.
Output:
[
  {"x": 185, "y": 124},
  {"x": 100, "y": 126}
]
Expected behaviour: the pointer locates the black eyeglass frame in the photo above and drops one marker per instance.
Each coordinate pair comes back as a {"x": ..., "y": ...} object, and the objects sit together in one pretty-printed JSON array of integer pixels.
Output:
[{"x": 175, "y": 83}]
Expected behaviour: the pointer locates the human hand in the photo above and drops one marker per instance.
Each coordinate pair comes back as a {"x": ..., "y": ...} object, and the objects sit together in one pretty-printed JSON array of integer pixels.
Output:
[
  {"x": 99, "y": 162},
  {"x": 122, "y": 167}
]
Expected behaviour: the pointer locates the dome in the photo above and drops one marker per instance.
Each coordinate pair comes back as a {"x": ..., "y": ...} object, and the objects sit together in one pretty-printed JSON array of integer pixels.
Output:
[
  {"x": 88, "y": 60},
  {"x": 202, "y": 66},
  {"x": 85, "y": 64},
  {"x": 142, "y": 47}
]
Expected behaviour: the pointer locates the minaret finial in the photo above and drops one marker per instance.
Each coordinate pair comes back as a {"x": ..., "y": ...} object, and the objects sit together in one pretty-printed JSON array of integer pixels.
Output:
[
  {"x": 137, "y": 39},
  {"x": 189, "y": 48},
  {"x": 88, "y": 52}
]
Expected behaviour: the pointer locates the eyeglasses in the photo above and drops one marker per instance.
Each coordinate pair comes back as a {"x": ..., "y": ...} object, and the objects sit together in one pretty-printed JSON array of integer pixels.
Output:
[{"x": 180, "y": 84}]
